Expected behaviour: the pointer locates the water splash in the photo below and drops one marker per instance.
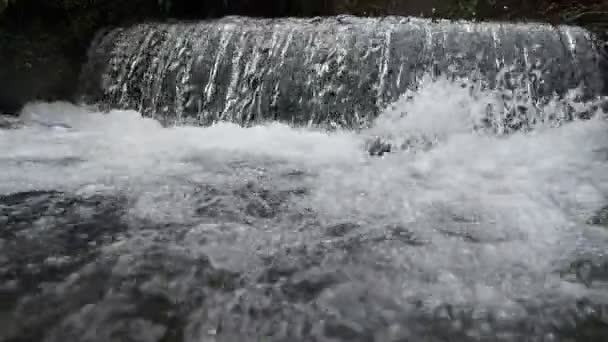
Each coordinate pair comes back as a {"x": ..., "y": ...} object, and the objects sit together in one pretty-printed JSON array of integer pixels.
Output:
[{"x": 226, "y": 232}]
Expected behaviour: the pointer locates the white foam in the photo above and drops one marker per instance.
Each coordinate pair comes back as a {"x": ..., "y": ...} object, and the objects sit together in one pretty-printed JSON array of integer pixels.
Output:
[
  {"x": 526, "y": 193},
  {"x": 120, "y": 144}
]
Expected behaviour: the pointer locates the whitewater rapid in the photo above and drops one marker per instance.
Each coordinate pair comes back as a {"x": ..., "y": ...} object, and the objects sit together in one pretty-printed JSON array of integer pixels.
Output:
[{"x": 457, "y": 232}]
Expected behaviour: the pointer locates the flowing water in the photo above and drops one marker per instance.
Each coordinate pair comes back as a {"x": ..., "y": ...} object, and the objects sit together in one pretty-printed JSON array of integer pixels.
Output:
[
  {"x": 116, "y": 228},
  {"x": 340, "y": 70}
]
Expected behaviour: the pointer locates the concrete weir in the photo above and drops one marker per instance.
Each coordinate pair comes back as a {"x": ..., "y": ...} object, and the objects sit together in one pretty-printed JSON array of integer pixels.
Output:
[{"x": 343, "y": 70}]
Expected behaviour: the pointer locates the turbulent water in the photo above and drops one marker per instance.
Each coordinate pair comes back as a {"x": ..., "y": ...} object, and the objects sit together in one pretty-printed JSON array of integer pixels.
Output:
[
  {"x": 341, "y": 71},
  {"x": 485, "y": 220},
  {"x": 116, "y": 229}
]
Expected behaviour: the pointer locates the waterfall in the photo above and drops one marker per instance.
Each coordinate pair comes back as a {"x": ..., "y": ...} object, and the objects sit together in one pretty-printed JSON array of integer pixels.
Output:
[{"x": 341, "y": 70}]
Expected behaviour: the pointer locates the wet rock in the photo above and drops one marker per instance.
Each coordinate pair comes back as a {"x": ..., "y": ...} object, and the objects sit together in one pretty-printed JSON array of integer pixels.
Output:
[
  {"x": 600, "y": 218},
  {"x": 378, "y": 147}
]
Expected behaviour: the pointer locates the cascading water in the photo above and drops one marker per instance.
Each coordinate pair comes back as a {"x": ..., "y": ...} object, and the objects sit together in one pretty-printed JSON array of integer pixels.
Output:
[
  {"x": 339, "y": 70},
  {"x": 480, "y": 225}
]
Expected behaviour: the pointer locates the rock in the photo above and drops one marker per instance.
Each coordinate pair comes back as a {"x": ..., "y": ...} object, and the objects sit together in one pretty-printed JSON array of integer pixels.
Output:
[
  {"x": 600, "y": 218},
  {"x": 377, "y": 147}
]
